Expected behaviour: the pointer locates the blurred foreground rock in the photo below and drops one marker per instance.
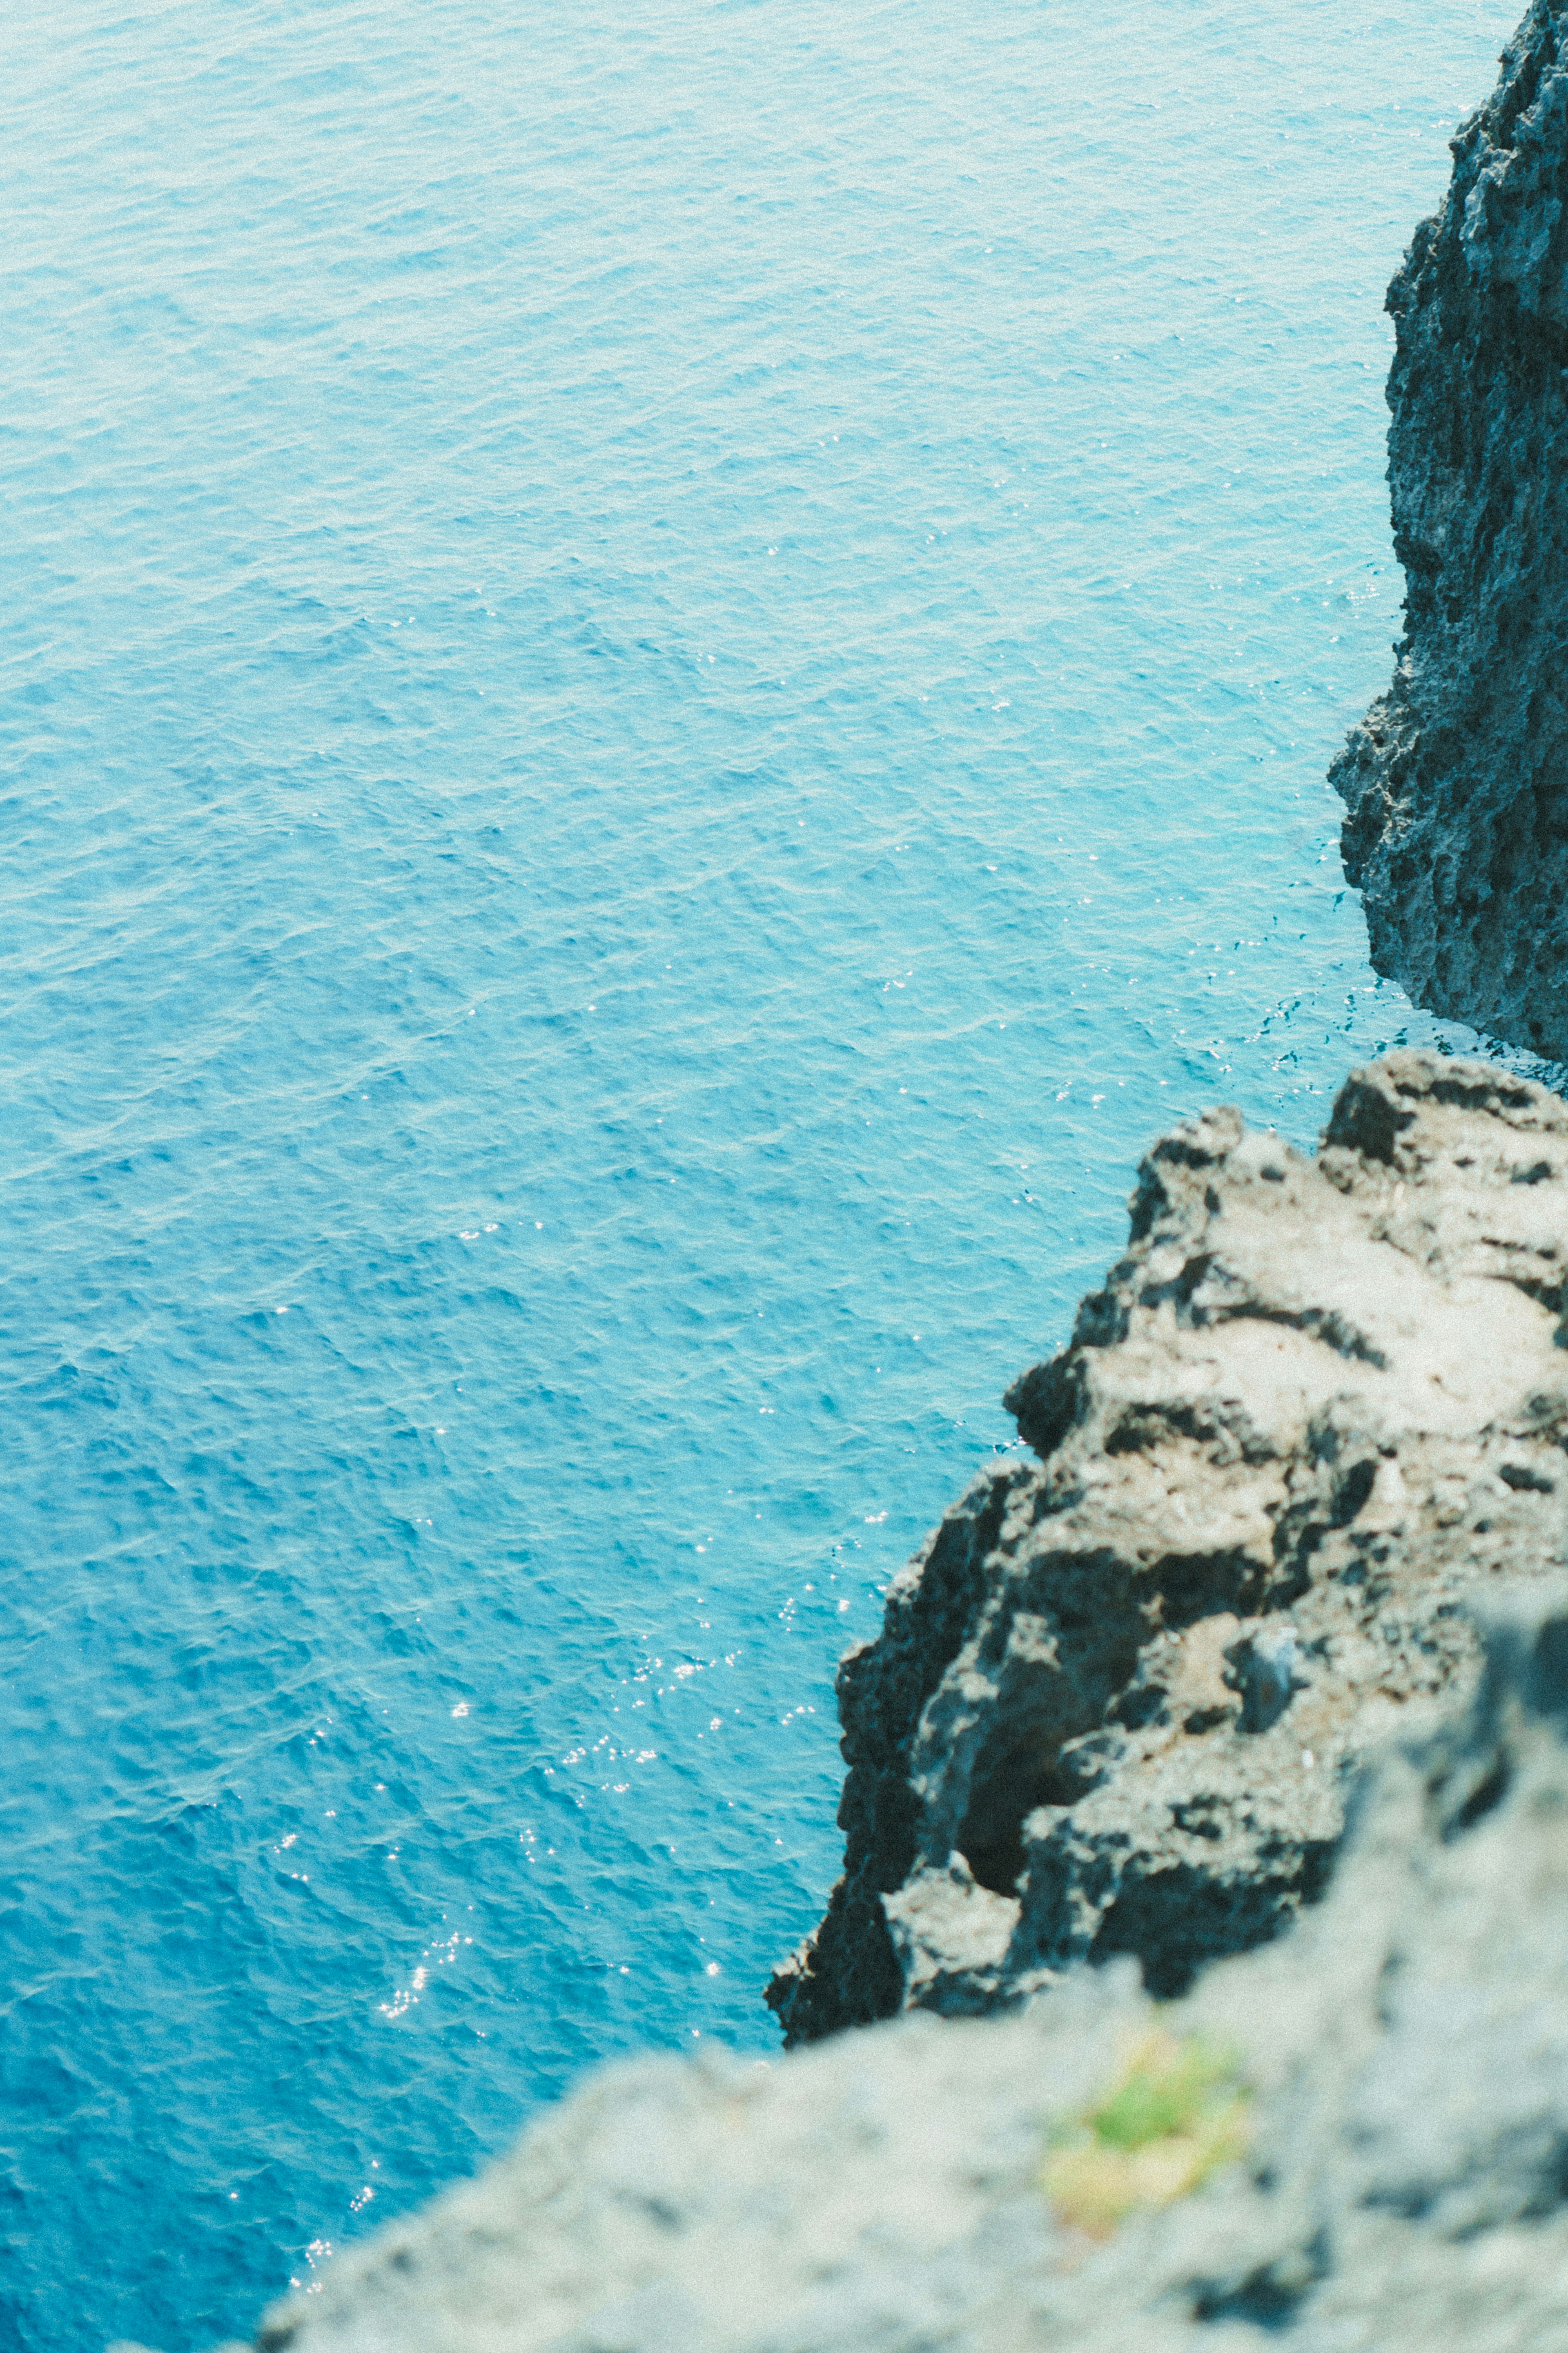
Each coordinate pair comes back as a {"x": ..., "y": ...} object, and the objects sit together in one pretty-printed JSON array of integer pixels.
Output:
[{"x": 1401, "y": 2187}]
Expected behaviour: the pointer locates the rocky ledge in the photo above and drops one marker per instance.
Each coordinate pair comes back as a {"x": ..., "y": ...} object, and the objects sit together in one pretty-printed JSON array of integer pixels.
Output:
[
  {"x": 1456, "y": 782},
  {"x": 1299, "y": 1503},
  {"x": 1115, "y": 1696}
]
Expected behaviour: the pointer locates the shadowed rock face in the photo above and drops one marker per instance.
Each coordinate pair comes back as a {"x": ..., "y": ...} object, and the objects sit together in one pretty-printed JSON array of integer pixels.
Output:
[
  {"x": 1316, "y": 1405},
  {"x": 1456, "y": 781}
]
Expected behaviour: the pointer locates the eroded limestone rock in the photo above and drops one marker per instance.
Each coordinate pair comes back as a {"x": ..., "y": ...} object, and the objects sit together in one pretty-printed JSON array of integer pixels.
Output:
[{"x": 1115, "y": 1697}]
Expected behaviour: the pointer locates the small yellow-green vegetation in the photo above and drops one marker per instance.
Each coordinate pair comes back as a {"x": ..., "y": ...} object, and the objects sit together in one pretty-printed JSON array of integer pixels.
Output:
[{"x": 1177, "y": 2110}]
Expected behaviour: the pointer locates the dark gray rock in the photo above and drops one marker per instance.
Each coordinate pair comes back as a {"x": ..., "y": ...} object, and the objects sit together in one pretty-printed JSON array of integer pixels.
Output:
[
  {"x": 1456, "y": 782},
  {"x": 1399, "y": 2186},
  {"x": 1115, "y": 1697}
]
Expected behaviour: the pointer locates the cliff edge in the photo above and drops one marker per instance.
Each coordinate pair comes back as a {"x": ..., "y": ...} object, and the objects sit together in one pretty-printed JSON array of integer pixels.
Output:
[
  {"x": 1456, "y": 783},
  {"x": 1115, "y": 1696}
]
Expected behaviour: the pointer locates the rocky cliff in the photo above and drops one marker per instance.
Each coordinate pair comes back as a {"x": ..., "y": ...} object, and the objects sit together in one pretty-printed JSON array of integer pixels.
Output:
[
  {"x": 1298, "y": 1498},
  {"x": 1354, "y": 2139},
  {"x": 1113, "y": 1702},
  {"x": 1456, "y": 782}
]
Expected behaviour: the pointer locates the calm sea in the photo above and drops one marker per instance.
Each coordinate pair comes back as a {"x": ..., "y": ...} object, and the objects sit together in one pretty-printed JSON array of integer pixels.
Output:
[{"x": 667, "y": 678}]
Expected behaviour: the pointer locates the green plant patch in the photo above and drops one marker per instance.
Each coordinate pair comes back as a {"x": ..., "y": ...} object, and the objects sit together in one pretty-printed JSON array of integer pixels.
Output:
[{"x": 1177, "y": 2111}]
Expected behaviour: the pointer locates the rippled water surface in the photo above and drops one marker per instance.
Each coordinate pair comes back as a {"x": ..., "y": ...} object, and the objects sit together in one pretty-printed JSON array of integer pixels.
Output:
[{"x": 667, "y": 679}]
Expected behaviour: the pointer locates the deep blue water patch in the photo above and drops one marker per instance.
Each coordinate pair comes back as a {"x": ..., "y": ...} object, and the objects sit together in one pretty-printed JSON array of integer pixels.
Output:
[{"x": 667, "y": 684}]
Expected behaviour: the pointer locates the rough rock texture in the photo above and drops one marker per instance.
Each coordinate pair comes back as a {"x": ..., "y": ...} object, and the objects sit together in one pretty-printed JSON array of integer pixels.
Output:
[
  {"x": 1111, "y": 1706},
  {"x": 1301, "y": 1500},
  {"x": 1402, "y": 2189},
  {"x": 1456, "y": 782}
]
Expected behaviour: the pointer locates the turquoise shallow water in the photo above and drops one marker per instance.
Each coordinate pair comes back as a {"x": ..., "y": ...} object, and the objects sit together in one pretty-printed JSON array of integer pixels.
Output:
[{"x": 667, "y": 678}]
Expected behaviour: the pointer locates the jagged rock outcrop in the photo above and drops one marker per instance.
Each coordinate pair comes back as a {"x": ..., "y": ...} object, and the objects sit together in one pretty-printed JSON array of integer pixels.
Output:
[
  {"x": 1115, "y": 1697},
  {"x": 1397, "y": 2182},
  {"x": 1456, "y": 782}
]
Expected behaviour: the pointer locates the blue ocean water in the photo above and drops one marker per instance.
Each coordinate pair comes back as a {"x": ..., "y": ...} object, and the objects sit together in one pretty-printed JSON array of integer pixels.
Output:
[{"x": 668, "y": 676}]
